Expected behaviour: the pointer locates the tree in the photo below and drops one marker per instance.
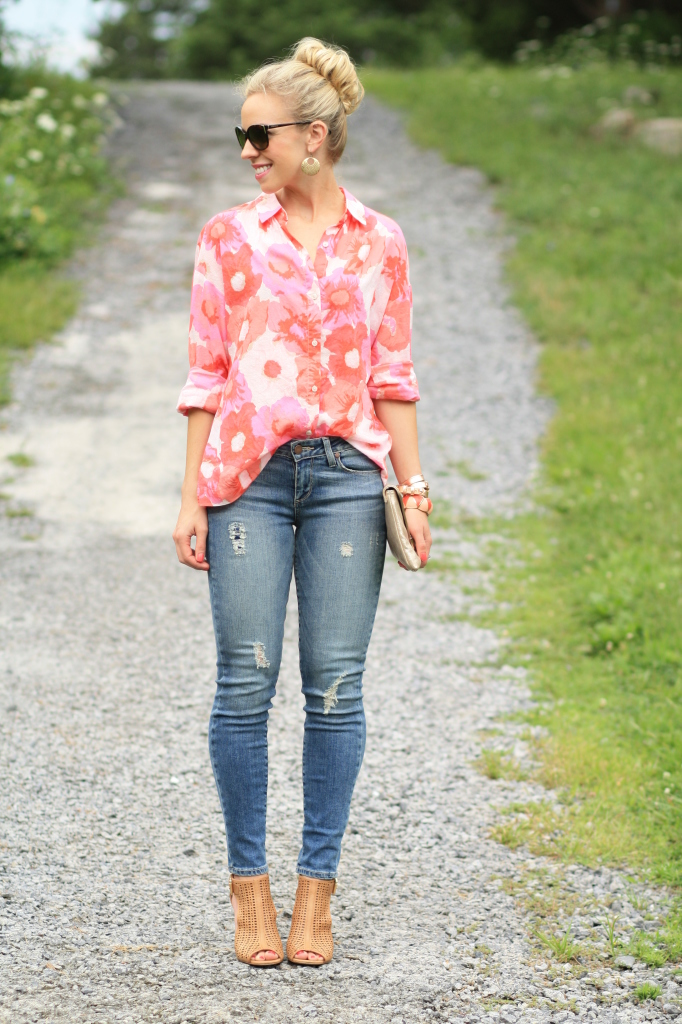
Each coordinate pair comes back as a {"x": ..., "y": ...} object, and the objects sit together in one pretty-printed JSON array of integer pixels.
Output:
[
  {"x": 498, "y": 26},
  {"x": 231, "y": 37},
  {"x": 136, "y": 44},
  {"x": 6, "y": 72},
  {"x": 227, "y": 38}
]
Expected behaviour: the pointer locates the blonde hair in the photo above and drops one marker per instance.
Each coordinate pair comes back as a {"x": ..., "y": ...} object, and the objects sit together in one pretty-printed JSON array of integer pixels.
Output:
[{"x": 320, "y": 83}]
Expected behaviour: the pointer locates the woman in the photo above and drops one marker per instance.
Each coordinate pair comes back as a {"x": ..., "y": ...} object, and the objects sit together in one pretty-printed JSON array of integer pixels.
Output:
[{"x": 300, "y": 383}]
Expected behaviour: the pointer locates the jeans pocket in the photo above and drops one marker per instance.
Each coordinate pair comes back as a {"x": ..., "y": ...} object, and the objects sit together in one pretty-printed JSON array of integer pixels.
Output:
[{"x": 353, "y": 461}]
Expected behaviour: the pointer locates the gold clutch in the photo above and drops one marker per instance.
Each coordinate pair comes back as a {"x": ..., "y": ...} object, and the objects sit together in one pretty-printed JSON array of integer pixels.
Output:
[{"x": 399, "y": 540}]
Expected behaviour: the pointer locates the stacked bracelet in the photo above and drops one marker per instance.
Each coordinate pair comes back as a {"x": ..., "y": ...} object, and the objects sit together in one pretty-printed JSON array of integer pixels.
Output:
[
  {"x": 420, "y": 502},
  {"x": 415, "y": 494}
]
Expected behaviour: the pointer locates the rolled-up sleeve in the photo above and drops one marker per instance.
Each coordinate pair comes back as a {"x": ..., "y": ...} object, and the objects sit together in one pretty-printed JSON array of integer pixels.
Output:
[
  {"x": 209, "y": 361},
  {"x": 392, "y": 374}
]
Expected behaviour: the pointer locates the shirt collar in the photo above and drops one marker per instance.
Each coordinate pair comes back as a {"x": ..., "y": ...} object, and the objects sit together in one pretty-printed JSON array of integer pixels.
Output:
[
  {"x": 269, "y": 205},
  {"x": 354, "y": 207}
]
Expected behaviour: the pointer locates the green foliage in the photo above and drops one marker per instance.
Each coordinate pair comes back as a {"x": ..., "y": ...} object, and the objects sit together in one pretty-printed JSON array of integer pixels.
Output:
[
  {"x": 136, "y": 43},
  {"x": 50, "y": 166},
  {"x": 647, "y": 990},
  {"x": 155, "y": 38},
  {"x": 233, "y": 36},
  {"x": 227, "y": 38},
  {"x": 646, "y": 37},
  {"x": 35, "y": 302},
  {"x": 6, "y": 69},
  {"x": 594, "y": 605},
  {"x": 54, "y": 183},
  {"x": 20, "y": 460},
  {"x": 495, "y": 765},
  {"x": 563, "y": 946}
]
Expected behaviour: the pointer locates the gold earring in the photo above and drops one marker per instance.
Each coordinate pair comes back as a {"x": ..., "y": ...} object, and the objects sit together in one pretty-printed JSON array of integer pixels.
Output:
[{"x": 310, "y": 165}]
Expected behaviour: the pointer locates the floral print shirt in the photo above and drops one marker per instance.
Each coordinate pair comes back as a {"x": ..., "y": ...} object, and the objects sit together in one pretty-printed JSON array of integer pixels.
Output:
[{"x": 283, "y": 347}]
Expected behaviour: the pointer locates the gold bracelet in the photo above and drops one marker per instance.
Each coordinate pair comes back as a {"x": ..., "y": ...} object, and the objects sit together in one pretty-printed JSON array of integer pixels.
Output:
[
  {"x": 419, "y": 486},
  {"x": 418, "y": 505}
]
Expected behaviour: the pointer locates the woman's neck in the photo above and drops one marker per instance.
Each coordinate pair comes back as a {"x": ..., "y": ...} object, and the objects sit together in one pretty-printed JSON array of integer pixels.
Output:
[{"x": 319, "y": 198}]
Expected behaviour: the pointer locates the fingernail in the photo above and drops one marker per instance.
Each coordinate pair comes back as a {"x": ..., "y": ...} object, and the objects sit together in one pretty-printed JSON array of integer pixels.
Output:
[{"x": 200, "y": 558}]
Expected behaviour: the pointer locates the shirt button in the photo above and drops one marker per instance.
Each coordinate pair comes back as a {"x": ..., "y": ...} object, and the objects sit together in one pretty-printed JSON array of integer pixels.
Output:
[
  {"x": 308, "y": 433},
  {"x": 314, "y": 387},
  {"x": 314, "y": 344},
  {"x": 325, "y": 244},
  {"x": 298, "y": 449}
]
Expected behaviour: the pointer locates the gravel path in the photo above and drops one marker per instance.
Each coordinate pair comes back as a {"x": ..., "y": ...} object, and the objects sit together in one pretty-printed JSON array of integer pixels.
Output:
[{"x": 113, "y": 870}]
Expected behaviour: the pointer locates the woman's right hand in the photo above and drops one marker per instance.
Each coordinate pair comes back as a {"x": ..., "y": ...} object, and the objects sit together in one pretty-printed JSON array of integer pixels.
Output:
[{"x": 192, "y": 522}]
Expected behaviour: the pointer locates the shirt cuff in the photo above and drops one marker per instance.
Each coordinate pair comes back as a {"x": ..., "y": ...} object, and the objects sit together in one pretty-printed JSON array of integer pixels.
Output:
[
  {"x": 202, "y": 391},
  {"x": 396, "y": 381}
]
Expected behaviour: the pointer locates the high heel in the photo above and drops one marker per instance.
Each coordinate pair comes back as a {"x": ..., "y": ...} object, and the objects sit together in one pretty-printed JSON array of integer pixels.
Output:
[
  {"x": 311, "y": 921},
  {"x": 255, "y": 921}
]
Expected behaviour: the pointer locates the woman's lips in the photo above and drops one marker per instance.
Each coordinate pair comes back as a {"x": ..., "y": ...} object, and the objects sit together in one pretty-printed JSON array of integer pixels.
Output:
[{"x": 261, "y": 171}]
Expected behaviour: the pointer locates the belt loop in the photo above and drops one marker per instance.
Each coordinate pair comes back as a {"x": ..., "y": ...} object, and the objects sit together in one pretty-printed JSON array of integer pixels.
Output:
[{"x": 328, "y": 451}]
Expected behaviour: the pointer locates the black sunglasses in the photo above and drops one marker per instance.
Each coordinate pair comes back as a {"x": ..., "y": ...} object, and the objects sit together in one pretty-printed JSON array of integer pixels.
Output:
[{"x": 257, "y": 134}]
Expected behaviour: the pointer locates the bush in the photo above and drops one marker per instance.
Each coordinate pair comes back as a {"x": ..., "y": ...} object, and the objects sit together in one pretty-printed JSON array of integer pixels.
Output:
[
  {"x": 50, "y": 165},
  {"x": 226, "y": 38},
  {"x": 648, "y": 38},
  {"x": 156, "y": 38}
]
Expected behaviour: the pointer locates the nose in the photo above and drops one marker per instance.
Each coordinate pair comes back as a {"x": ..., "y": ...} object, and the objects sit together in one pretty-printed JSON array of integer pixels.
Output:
[{"x": 249, "y": 151}]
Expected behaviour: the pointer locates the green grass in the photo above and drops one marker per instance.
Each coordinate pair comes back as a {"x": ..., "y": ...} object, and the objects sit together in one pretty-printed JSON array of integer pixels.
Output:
[
  {"x": 54, "y": 187},
  {"x": 495, "y": 765},
  {"x": 20, "y": 460},
  {"x": 564, "y": 948},
  {"x": 595, "y": 606},
  {"x": 647, "y": 990},
  {"x": 35, "y": 302}
]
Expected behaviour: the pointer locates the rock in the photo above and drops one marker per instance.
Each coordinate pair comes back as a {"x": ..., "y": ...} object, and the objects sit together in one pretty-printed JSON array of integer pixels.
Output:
[
  {"x": 663, "y": 134},
  {"x": 626, "y": 963},
  {"x": 636, "y": 94},
  {"x": 618, "y": 121}
]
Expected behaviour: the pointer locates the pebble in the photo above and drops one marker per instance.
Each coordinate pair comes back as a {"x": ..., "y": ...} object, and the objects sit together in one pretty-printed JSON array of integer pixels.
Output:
[{"x": 113, "y": 872}]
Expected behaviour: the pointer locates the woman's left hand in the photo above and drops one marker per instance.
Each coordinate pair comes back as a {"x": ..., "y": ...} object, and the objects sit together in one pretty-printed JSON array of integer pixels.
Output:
[{"x": 418, "y": 525}]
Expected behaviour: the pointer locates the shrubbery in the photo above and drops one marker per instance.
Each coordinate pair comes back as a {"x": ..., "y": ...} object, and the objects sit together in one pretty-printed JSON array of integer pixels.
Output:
[
  {"x": 226, "y": 38},
  {"x": 649, "y": 39},
  {"x": 50, "y": 165}
]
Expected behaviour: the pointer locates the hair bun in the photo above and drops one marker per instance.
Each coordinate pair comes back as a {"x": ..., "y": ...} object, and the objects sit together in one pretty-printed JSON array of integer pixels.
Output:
[{"x": 334, "y": 64}]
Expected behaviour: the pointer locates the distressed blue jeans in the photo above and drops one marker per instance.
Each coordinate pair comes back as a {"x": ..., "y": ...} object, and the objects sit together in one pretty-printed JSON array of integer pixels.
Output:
[{"x": 317, "y": 510}]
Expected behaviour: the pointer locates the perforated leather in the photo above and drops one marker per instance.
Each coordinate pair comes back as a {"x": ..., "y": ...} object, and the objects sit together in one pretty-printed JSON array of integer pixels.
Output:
[
  {"x": 311, "y": 920},
  {"x": 256, "y": 926}
]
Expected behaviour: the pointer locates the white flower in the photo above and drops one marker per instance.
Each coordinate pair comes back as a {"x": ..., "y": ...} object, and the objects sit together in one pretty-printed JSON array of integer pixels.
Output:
[
  {"x": 34, "y": 155},
  {"x": 68, "y": 130},
  {"x": 100, "y": 99},
  {"x": 38, "y": 93},
  {"x": 79, "y": 101},
  {"x": 46, "y": 122},
  {"x": 10, "y": 107}
]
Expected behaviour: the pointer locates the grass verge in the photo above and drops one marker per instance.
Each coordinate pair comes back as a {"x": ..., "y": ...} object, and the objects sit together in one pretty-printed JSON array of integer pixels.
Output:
[
  {"x": 595, "y": 585},
  {"x": 35, "y": 302},
  {"x": 54, "y": 187}
]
